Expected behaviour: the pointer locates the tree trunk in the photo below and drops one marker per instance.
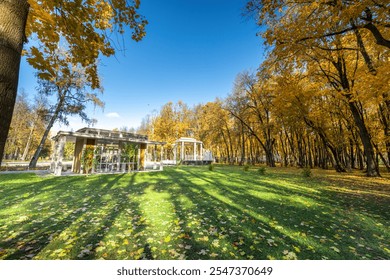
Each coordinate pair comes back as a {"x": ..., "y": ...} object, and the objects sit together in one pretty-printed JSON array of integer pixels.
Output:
[
  {"x": 34, "y": 159},
  {"x": 310, "y": 152},
  {"x": 29, "y": 140},
  {"x": 384, "y": 116},
  {"x": 13, "y": 17},
  {"x": 269, "y": 155},
  {"x": 352, "y": 155},
  {"x": 301, "y": 160},
  {"x": 231, "y": 160},
  {"x": 243, "y": 152},
  {"x": 372, "y": 168},
  {"x": 292, "y": 148},
  {"x": 284, "y": 150},
  {"x": 333, "y": 149},
  {"x": 226, "y": 145},
  {"x": 378, "y": 152}
]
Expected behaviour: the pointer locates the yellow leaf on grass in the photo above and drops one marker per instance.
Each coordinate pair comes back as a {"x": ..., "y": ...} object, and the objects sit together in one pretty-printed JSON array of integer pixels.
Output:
[
  {"x": 167, "y": 239},
  {"x": 140, "y": 251},
  {"x": 297, "y": 249},
  {"x": 335, "y": 249}
]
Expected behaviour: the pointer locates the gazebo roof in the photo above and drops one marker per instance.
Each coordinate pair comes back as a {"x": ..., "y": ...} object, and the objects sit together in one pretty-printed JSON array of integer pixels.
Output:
[
  {"x": 107, "y": 136},
  {"x": 187, "y": 140}
]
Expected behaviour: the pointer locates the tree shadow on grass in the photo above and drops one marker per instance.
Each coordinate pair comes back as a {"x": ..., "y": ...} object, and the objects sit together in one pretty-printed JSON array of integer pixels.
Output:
[
  {"x": 283, "y": 220},
  {"x": 231, "y": 233},
  {"x": 123, "y": 200},
  {"x": 322, "y": 194},
  {"x": 46, "y": 226},
  {"x": 78, "y": 215}
]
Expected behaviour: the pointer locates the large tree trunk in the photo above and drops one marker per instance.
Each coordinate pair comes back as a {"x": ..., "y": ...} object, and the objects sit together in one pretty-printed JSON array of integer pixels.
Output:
[
  {"x": 13, "y": 17},
  {"x": 372, "y": 168},
  {"x": 269, "y": 152}
]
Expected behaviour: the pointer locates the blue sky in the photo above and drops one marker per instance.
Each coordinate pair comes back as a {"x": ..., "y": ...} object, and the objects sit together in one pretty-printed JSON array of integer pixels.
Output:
[{"x": 192, "y": 52}]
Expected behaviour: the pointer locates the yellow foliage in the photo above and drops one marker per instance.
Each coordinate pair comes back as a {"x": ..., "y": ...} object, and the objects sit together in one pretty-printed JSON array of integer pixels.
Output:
[{"x": 82, "y": 27}]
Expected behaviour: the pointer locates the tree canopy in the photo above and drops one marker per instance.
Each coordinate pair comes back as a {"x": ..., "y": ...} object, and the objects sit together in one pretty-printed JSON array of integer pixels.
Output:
[
  {"x": 85, "y": 28},
  {"x": 339, "y": 47}
]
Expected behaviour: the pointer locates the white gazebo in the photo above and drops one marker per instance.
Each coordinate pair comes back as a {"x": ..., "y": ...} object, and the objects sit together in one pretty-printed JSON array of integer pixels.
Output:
[{"x": 190, "y": 151}]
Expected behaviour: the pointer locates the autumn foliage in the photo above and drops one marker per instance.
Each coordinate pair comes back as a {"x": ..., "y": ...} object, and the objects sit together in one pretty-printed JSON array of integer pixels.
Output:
[{"x": 320, "y": 98}]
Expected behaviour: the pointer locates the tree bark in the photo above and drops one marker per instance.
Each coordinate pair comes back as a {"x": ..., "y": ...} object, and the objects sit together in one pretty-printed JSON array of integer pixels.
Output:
[
  {"x": 372, "y": 167},
  {"x": 13, "y": 17}
]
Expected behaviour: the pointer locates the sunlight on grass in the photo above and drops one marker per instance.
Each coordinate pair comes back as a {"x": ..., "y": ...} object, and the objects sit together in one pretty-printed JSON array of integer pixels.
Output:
[{"x": 194, "y": 213}]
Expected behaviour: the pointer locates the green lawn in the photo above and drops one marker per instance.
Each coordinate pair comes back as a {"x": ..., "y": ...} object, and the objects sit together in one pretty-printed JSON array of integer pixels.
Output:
[{"x": 194, "y": 213}]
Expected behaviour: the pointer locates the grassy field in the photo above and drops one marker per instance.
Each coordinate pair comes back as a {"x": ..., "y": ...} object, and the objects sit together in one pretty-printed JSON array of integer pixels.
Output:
[{"x": 194, "y": 213}]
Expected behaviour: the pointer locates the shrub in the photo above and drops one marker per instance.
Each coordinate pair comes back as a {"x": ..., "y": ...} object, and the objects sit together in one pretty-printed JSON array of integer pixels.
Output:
[
  {"x": 306, "y": 172},
  {"x": 88, "y": 159},
  {"x": 211, "y": 167},
  {"x": 246, "y": 167},
  {"x": 262, "y": 170}
]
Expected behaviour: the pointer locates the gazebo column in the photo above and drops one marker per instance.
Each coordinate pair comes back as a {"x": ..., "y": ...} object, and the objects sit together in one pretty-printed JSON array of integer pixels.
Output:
[
  {"x": 142, "y": 149},
  {"x": 162, "y": 157},
  {"x": 182, "y": 151},
  {"x": 78, "y": 149},
  {"x": 53, "y": 155},
  {"x": 119, "y": 156},
  {"x": 59, "y": 155},
  {"x": 89, "y": 143},
  {"x": 175, "y": 153},
  {"x": 194, "y": 150}
]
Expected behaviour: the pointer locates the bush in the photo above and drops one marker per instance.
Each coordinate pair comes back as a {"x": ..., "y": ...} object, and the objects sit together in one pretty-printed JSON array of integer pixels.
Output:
[
  {"x": 211, "y": 167},
  {"x": 262, "y": 170},
  {"x": 306, "y": 172},
  {"x": 246, "y": 167},
  {"x": 88, "y": 159}
]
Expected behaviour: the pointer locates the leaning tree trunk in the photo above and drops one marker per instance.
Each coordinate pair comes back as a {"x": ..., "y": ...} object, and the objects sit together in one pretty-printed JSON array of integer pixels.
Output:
[
  {"x": 34, "y": 159},
  {"x": 13, "y": 17}
]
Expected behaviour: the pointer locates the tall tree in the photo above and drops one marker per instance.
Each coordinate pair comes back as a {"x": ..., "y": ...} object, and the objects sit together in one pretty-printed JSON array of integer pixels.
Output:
[
  {"x": 19, "y": 127},
  {"x": 13, "y": 17},
  {"x": 85, "y": 27},
  {"x": 72, "y": 92},
  {"x": 251, "y": 104},
  {"x": 27, "y": 126},
  {"x": 213, "y": 125},
  {"x": 328, "y": 33},
  {"x": 172, "y": 122}
]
